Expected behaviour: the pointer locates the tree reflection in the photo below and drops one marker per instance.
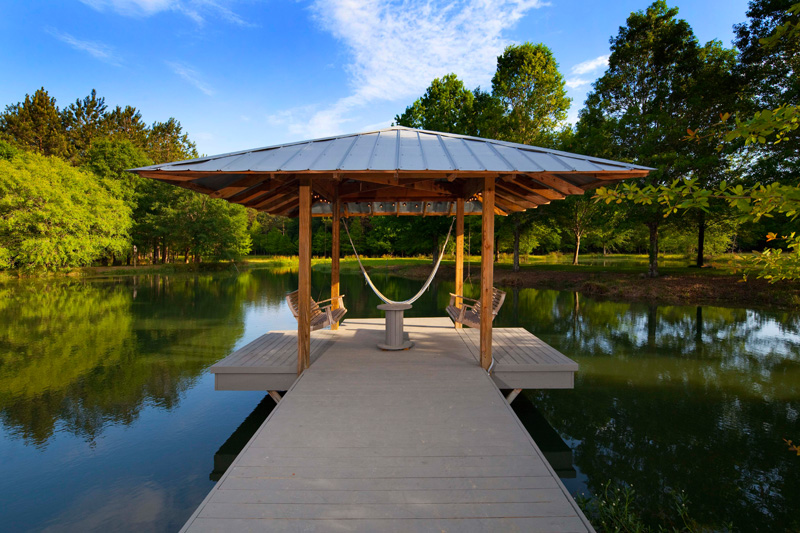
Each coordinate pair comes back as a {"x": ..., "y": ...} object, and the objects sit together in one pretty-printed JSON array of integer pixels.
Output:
[
  {"x": 686, "y": 398},
  {"x": 79, "y": 356}
]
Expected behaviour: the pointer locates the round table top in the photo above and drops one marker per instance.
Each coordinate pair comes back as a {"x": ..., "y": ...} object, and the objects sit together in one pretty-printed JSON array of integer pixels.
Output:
[{"x": 394, "y": 307}]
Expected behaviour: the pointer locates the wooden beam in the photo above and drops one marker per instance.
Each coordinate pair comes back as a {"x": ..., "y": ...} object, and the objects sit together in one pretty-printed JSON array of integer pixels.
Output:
[
  {"x": 512, "y": 198},
  {"x": 286, "y": 208},
  {"x": 523, "y": 193},
  {"x": 459, "y": 289},
  {"x": 487, "y": 272},
  {"x": 505, "y": 205},
  {"x": 274, "y": 200},
  {"x": 470, "y": 187},
  {"x": 554, "y": 182},
  {"x": 304, "y": 278},
  {"x": 535, "y": 188},
  {"x": 240, "y": 185},
  {"x": 336, "y": 208},
  {"x": 255, "y": 192},
  {"x": 189, "y": 185},
  {"x": 325, "y": 188}
]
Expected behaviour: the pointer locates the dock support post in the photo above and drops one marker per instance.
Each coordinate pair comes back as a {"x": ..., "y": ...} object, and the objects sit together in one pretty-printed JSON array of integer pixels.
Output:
[
  {"x": 275, "y": 395},
  {"x": 459, "y": 289},
  {"x": 487, "y": 270},
  {"x": 513, "y": 395},
  {"x": 336, "y": 209},
  {"x": 304, "y": 278}
]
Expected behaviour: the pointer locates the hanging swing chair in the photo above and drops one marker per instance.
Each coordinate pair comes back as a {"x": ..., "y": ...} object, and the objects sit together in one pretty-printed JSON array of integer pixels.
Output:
[{"x": 424, "y": 287}]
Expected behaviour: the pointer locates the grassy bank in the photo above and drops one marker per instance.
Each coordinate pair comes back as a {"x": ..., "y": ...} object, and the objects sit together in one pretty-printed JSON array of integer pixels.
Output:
[{"x": 615, "y": 277}]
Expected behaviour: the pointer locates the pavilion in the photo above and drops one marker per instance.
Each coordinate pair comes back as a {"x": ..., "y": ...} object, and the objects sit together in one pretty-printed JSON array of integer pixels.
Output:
[{"x": 394, "y": 171}]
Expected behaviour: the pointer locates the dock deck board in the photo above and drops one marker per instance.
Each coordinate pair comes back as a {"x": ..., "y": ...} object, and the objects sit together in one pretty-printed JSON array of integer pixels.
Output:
[
  {"x": 522, "y": 360},
  {"x": 366, "y": 440}
]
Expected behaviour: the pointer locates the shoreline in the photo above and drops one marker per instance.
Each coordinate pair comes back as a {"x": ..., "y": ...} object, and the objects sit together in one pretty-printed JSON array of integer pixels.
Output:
[{"x": 676, "y": 286}]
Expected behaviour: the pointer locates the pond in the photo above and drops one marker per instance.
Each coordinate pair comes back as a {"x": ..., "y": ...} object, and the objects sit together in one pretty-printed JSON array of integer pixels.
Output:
[{"x": 109, "y": 419}]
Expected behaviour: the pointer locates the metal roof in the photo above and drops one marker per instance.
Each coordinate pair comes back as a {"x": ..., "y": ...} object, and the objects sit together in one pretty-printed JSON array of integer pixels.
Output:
[
  {"x": 397, "y": 170},
  {"x": 398, "y": 148}
]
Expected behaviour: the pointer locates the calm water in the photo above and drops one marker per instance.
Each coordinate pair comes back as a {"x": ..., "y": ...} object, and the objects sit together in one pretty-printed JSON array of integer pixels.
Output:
[{"x": 109, "y": 420}]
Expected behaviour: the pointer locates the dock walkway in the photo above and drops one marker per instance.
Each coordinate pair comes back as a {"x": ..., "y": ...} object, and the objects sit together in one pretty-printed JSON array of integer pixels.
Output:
[
  {"x": 522, "y": 360},
  {"x": 365, "y": 440}
]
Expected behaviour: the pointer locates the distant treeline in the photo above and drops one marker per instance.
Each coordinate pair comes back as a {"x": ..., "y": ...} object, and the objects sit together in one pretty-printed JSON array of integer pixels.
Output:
[{"x": 66, "y": 201}]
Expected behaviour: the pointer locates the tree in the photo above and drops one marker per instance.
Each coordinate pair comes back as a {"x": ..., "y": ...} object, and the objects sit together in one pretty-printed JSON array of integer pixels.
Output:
[
  {"x": 638, "y": 108},
  {"x": 769, "y": 60},
  {"x": 109, "y": 158},
  {"x": 446, "y": 106},
  {"x": 166, "y": 141},
  {"x": 532, "y": 92},
  {"x": 55, "y": 216},
  {"x": 35, "y": 124},
  {"x": 127, "y": 124},
  {"x": 84, "y": 120},
  {"x": 206, "y": 227},
  {"x": 579, "y": 215},
  {"x": 753, "y": 203}
]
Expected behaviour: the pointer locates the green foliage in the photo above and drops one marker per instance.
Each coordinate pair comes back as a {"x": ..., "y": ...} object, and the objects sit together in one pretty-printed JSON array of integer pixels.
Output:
[
  {"x": 84, "y": 121},
  {"x": 446, "y": 106},
  {"x": 35, "y": 124},
  {"x": 206, "y": 227},
  {"x": 615, "y": 510},
  {"x": 108, "y": 158},
  {"x": 769, "y": 45},
  {"x": 531, "y": 88},
  {"x": 660, "y": 80},
  {"x": 55, "y": 216}
]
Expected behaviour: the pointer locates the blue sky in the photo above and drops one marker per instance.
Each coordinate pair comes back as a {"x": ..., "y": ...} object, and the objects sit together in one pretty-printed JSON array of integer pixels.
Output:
[{"x": 248, "y": 73}]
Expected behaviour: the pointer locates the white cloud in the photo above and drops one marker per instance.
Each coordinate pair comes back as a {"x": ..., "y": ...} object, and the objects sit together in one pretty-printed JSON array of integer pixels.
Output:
[
  {"x": 577, "y": 83},
  {"x": 190, "y": 75},
  {"x": 97, "y": 50},
  {"x": 197, "y": 10},
  {"x": 590, "y": 65},
  {"x": 586, "y": 67},
  {"x": 398, "y": 48}
]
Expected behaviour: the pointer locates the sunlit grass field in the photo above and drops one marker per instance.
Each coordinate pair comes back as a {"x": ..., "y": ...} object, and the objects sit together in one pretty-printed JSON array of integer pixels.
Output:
[{"x": 675, "y": 264}]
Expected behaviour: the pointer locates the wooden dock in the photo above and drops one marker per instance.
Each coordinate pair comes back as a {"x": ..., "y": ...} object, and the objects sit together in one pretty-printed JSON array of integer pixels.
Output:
[
  {"x": 522, "y": 360},
  {"x": 366, "y": 440}
]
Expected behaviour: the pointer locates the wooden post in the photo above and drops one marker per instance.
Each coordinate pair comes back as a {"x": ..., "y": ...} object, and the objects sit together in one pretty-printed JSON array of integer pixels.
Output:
[
  {"x": 336, "y": 208},
  {"x": 304, "y": 279},
  {"x": 459, "y": 253},
  {"x": 487, "y": 271}
]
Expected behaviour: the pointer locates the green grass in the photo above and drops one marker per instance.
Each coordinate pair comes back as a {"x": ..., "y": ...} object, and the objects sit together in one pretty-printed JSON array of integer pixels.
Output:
[{"x": 673, "y": 264}]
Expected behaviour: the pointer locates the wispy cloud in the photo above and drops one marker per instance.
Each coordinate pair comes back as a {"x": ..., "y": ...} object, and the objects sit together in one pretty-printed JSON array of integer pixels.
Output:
[
  {"x": 585, "y": 67},
  {"x": 197, "y": 10},
  {"x": 97, "y": 50},
  {"x": 396, "y": 49},
  {"x": 190, "y": 75},
  {"x": 590, "y": 65}
]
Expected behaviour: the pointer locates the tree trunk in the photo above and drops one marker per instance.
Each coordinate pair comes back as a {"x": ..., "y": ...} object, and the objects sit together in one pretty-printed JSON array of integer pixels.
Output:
[
  {"x": 577, "y": 248},
  {"x": 653, "y": 250},
  {"x": 516, "y": 244},
  {"x": 164, "y": 252},
  {"x": 186, "y": 256},
  {"x": 701, "y": 238},
  {"x": 155, "y": 253},
  {"x": 652, "y": 325}
]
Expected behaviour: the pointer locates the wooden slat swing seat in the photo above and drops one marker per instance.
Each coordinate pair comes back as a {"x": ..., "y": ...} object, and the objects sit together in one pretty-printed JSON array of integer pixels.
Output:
[
  {"x": 470, "y": 314},
  {"x": 321, "y": 316}
]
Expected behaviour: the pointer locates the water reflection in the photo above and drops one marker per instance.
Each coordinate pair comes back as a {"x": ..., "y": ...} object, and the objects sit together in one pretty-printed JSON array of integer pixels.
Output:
[{"x": 104, "y": 389}]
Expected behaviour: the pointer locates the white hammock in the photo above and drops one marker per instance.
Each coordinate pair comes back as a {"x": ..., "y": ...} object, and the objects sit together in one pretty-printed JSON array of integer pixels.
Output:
[{"x": 424, "y": 287}]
